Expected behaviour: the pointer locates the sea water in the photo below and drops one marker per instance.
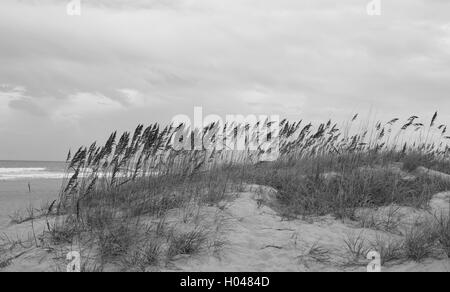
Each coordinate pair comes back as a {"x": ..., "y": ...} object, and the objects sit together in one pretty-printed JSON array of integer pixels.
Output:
[{"x": 25, "y": 183}]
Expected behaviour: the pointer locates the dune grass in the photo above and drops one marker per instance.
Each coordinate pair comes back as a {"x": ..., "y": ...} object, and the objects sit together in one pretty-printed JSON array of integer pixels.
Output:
[
  {"x": 442, "y": 233},
  {"x": 120, "y": 195},
  {"x": 313, "y": 188}
]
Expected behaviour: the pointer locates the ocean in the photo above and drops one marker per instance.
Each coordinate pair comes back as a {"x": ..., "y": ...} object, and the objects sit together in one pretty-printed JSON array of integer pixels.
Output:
[{"x": 25, "y": 183}]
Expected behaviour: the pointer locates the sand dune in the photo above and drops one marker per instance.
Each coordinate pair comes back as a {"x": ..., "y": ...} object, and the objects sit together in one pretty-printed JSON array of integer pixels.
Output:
[
  {"x": 260, "y": 240},
  {"x": 255, "y": 238}
]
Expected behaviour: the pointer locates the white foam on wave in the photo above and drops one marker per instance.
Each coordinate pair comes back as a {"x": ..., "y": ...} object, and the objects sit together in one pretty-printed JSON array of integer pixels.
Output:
[
  {"x": 4, "y": 170},
  {"x": 43, "y": 173},
  {"x": 28, "y": 173}
]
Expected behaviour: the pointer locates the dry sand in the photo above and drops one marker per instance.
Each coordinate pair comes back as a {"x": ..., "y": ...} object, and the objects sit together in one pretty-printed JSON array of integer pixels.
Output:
[
  {"x": 255, "y": 238},
  {"x": 258, "y": 239}
]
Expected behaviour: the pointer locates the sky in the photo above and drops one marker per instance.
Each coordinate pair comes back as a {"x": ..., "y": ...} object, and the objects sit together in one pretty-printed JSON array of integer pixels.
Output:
[{"x": 66, "y": 81}]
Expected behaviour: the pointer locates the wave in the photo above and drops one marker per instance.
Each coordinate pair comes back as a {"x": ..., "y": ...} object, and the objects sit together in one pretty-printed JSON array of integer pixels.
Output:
[
  {"x": 29, "y": 173},
  {"x": 5, "y": 170},
  {"x": 44, "y": 173}
]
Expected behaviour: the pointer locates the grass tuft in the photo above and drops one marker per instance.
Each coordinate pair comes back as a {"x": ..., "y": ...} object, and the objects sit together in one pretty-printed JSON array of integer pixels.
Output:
[
  {"x": 420, "y": 243},
  {"x": 186, "y": 243}
]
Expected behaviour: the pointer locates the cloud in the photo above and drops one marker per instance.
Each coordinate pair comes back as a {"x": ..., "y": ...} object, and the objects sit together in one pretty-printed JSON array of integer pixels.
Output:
[
  {"x": 15, "y": 98},
  {"x": 132, "y": 97},
  {"x": 128, "y": 61},
  {"x": 84, "y": 103},
  {"x": 27, "y": 105}
]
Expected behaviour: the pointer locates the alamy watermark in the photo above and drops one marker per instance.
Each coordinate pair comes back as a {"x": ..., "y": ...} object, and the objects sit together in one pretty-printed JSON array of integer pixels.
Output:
[
  {"x": 375, "y": 265},
  {"x": 74, "y": 266},
  {"x": 73, "y": 8},
  {"x": 374, "y": 8},
  {"x": 234, "y": 133}
]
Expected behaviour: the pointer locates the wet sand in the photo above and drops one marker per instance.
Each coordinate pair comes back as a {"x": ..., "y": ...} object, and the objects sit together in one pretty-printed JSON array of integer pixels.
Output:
[{"x": 14, "y": 195}]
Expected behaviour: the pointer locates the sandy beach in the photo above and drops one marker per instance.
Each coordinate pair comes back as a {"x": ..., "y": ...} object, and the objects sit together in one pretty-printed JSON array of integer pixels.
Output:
[
  {"x": 249, "y": 235},
  {"x": 244, "y": 136}
]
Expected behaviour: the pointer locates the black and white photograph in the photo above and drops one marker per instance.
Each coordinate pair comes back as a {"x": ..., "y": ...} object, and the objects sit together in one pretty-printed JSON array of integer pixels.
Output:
[{"x": 224, "y": 143}]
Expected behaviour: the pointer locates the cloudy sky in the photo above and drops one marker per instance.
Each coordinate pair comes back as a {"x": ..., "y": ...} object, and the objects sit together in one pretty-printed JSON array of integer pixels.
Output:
[{"x": 69, "y": 80}]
